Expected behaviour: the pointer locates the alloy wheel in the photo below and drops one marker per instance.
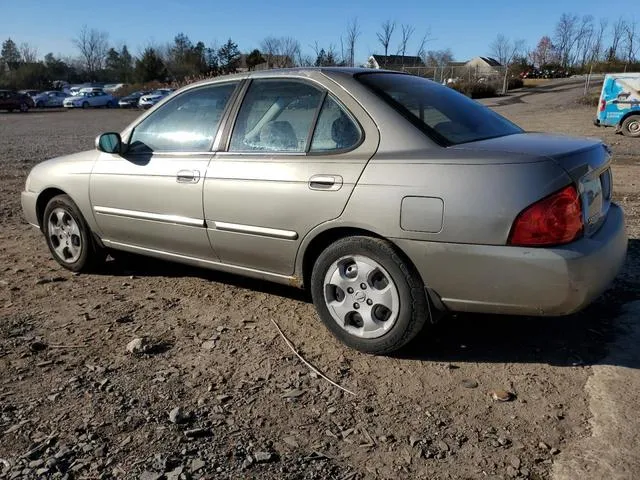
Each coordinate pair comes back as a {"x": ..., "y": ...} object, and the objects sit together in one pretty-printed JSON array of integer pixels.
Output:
[{"x": 64, "y": 235}]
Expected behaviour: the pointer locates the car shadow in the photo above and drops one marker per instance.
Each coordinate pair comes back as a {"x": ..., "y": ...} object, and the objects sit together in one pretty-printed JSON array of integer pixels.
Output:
[{"x": 580, "y": 339}]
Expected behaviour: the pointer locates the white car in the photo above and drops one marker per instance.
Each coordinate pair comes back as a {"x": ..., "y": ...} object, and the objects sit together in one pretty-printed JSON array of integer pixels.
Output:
[
  {"x": 90, "y": 99},
  {"x": 51, "y": 98},
  {"x": 149, "y": 100}
]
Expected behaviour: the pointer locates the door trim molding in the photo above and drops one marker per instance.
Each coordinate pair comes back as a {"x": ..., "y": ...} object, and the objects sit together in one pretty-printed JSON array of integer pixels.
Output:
[
  {"x": 154, "y": 217},
  {"x": 254, "y": 230}
]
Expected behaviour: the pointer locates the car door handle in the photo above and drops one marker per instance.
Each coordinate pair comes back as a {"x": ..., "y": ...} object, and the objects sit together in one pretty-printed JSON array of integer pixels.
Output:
[
  {"x": 325, "y": 182},
  {"x": 188, "y": 176}
]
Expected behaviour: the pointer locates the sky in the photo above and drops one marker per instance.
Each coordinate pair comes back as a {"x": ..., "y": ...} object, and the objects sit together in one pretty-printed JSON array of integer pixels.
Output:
[{"x": 466, "y": 26}]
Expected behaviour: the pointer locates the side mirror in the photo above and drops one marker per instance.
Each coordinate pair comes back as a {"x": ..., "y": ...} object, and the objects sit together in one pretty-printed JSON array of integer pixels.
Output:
[{"x": 109, "y": 143}]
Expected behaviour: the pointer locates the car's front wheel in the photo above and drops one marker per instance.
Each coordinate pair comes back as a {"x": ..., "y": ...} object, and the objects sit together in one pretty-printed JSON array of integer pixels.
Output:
[
  {"x": 368, "y": 295},
  {"x": 24, "y": 107},
  {"x": 631, "y": 126},
  {"x": 85, "y": 104},
  {"x": 68, "y": 236}
]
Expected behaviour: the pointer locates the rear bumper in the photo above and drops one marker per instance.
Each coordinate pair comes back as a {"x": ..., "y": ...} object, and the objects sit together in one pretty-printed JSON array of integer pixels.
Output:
[
  {"x": 522, "y": 281},
  {"x": 28, "y": 201}
]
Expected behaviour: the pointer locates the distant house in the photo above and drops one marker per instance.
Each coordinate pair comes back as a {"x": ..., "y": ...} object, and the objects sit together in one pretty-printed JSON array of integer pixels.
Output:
[
  {"x": 484, "y": 65},
  {"x": 394, "y": 62}
]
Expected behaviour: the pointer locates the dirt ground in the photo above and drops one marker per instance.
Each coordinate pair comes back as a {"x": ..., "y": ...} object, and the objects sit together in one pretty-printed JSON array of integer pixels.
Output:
[{"x": 75, "y": 404}]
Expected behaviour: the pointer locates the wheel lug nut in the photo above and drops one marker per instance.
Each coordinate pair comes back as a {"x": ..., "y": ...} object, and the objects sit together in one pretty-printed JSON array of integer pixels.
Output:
[
  {"x": 363, "y": 286},
  {"x": 349, "y": 290},
  {"x": 356, "y": 305},
  {"x": 369, "y": 302}
]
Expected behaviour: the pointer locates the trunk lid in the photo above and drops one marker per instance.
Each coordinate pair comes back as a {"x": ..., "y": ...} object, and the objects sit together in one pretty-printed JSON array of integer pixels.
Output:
[{"x": 586, "y": 161}]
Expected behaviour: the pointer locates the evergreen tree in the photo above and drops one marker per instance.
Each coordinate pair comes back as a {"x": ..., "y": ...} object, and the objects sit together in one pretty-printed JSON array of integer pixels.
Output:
[
  {"x": 150, "y": 67},
  {"x": 229, "y": 57}
]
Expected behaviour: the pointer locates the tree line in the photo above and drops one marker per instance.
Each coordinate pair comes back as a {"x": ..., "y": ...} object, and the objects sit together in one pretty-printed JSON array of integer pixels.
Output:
[{"x": 577, "y": 43}]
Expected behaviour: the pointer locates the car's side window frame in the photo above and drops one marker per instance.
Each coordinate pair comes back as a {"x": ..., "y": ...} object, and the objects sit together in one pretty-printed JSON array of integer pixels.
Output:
[
  {"x": 242, "y": 95},
  {"x": 224, "y": 117},
  {"x": 351, "y": 117}
]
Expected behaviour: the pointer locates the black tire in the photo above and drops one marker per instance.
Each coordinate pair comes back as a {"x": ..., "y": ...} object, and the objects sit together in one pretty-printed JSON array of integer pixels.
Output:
[
  {"x": 413, "y": 308},
  {"x": 85, "y": 104},
  {"x": 91, "y": 255},
  {"x": 24, "y": 108},
  {"x": 40, "y": 105},
  {"x": 631, "y": 126},
  {"x": 109, "y": 104}
]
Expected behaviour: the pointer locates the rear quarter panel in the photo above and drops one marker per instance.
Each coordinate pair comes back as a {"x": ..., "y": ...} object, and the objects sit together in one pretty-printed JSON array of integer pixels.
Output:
[{"x": 480, "y": 200}]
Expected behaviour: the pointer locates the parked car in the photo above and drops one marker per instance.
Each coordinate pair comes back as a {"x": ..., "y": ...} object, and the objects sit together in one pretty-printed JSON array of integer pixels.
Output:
[
  {"x": 113, "y": 87},
  {"x": 90, "y": 99},
  {"x": 619, "y": 104},
  {"x": 131, "y": 100},
  {"x": 31, "y": 93},
  {"x": 51, "y": 98},
  {"x": 10, "y": 100},
  {"x": 388, "y": 196},
  {"x": 149, "y": 100}
]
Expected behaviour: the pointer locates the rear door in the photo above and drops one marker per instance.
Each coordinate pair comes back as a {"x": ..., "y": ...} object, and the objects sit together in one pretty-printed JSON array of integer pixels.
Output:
[{"x": 294, "y": 155}]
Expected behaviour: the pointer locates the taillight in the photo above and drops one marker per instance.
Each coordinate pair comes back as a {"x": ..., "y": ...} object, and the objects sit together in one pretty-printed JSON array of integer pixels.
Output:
[
  {"x": 554, "y": 220},
  {"x": 603, "y": 105}
]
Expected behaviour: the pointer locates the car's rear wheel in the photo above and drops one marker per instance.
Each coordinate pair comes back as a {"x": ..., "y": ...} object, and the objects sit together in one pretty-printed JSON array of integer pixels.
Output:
[
  {"x": 631, "y": 126},
  {"x": 85, "y": 104},
  {"x": 68, "y": 236},
  {"x": 368, "y": 295},
  {"x": 40, "y": 104},
  {"x": 24, "y": 107}
]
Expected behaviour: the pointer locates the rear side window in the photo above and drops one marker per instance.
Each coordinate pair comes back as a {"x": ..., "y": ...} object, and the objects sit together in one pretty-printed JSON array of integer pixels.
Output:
[
  {"x": 447, "y": 116},
  {"x": 276, "y": 116},
  {"x": 335, "y": 129}
]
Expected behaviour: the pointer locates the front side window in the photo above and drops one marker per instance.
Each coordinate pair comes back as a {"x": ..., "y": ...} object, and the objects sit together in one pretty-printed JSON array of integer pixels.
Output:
[
  {"x": 276, "y": 116},
  {"x": 335, "y": 129},
  {"x": 444, "y": 114},
  {"x": 187, "y": 123}
]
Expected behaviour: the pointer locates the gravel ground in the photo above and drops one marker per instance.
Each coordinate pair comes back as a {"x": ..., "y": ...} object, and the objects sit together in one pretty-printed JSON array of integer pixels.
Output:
[{"x": 218, "y": 394}]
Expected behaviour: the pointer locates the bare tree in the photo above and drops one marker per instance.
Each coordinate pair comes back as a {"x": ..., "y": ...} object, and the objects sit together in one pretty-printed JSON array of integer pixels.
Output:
[
  {"x": 421, "y": 52},
  {"x": 630, "y": 44},
  {"x": 407, "y": 32},
  {"x": 280, "y": 52},
  {"x": 505, "y": 51},
  {"x": 28, "y": 53},
  {"x": 617, "y": 33},
  {"x": 584, "y": 39},
  {"x": 384, "y": 37},
  {"x": 93, "y": 46},
  {"x": 597, "y": 46},
  {"x": 353, "y": 32},
  {"x": 565, "y": 36}
]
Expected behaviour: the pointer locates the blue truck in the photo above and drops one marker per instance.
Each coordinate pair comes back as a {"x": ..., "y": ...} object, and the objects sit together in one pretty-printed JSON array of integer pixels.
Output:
[{"x": 619, "y": 104}]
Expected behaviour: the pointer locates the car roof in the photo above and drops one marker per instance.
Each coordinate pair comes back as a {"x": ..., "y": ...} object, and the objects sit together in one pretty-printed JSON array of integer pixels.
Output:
[{"x": 294, "y": 71}]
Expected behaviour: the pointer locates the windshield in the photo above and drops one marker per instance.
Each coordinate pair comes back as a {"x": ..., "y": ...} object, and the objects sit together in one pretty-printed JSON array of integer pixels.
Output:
[{"x": 447, "y": 116}]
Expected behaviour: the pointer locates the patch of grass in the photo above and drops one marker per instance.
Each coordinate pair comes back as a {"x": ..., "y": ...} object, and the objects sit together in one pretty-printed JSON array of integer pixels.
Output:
[
  {"x": 590, "y": 99},
  {"x": 534, "y": 82},
  {"x": 475, "y": 89}
]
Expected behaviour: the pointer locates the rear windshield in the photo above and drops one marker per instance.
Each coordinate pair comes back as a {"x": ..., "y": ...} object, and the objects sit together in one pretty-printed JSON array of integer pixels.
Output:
[{"x": 447, "y": 116}]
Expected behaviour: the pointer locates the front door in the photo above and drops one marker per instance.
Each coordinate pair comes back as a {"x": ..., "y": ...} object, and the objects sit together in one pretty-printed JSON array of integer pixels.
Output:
[
  {"x": 294, "y": 157},
  {"x": 151, "y": 196}
]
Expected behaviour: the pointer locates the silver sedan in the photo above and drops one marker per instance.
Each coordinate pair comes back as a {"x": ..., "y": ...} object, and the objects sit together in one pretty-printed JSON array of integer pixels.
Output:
[{"x": 390, "y": 198}]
